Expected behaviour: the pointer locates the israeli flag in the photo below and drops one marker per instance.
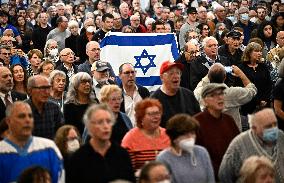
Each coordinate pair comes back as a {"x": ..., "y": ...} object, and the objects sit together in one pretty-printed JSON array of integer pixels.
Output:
[{"x": 146, "y": 51}]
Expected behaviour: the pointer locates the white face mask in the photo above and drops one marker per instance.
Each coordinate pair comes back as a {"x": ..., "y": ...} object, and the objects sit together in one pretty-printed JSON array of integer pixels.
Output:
[
  {"x": 164, "y": 181},
  {"x": 73, "y": 145},
  {"x": 53, "y": 52},
  {"x": 220, "y": 32},
  {"x": 91, "y": 29},
  {"x": 187, "y": 144},
  {"x": 253, "y": 19}
]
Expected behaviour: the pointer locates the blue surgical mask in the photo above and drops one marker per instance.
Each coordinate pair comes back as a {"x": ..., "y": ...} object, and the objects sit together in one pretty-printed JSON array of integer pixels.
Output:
[
  {"x": 245, "y": 16},
  {"x": 232, "y": 18},
  {"x": 270, "y": 134}
]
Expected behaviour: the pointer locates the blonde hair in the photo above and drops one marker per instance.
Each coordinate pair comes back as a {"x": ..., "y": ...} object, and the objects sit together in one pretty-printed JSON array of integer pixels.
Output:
[
  {"x": 253, "y": 46},
  {"x": 107, "y": 90}
]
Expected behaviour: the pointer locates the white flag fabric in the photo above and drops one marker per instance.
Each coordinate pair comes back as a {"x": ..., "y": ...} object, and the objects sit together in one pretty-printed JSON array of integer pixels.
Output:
[{"x": 146, "y": 51}]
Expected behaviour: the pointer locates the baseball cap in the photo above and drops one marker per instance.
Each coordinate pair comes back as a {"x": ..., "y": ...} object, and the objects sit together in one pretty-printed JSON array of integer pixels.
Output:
[
  {"x": 211, "y": 87},
  {"x": 234, "y": 34},
  {"x": 99, "y": 66},
  {"x": 168, "y": 65},
  {"x": 191, "y": 10}
]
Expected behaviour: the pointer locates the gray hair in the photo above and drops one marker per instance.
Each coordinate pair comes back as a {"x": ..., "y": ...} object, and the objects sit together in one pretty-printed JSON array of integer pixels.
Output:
[
  {"x": 48, "y": 42},
  {"x": 32, "y": 81},
  {"x": 10, "y": 108},
  {"x": 72, "y": 93},
  {"x": 205, "y": 40},
  {"x": 91, "y": 42},
  {"x": 73, "y": 23},
  {"x": 94, "y": 108},
  {"x": 55, "y": 73},
  {"x": 261, "y": 115}
]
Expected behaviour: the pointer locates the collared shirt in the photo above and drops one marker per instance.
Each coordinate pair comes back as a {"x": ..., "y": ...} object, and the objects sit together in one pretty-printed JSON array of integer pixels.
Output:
[
  {"x": 47, "y": 122},
  {"x": 70, "y": 72},
  {"x": 129, "y": 104},
  {"x": 2, "y": 95}
]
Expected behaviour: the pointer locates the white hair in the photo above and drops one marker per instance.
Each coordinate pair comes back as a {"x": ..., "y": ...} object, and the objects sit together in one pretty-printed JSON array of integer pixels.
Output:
[{"x": 205, "y": 40}]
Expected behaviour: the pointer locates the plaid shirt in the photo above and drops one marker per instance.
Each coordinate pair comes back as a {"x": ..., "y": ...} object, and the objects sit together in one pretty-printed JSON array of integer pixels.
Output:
[{"x": 47, "y": 122}]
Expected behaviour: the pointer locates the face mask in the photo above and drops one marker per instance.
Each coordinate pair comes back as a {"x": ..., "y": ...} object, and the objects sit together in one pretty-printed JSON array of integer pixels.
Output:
[
  {"x": 245, "y": 16},
  {"x": 220, "y": 32},
  {"x": 164, "y": 181},
  {"x": 187, "y": 144},
  {"x": 53, "y": 52},
  {"x": 270, "y": 134},
  {"x": 253, "y": 19},
  {"x": 231, "y": 18},
  {"x": 91, "y": 29},
  {"x": 73, "y": 145}
]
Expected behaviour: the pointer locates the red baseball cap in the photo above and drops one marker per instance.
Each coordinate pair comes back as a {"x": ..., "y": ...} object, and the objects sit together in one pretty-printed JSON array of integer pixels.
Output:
[{"x": 168, "y": 65}]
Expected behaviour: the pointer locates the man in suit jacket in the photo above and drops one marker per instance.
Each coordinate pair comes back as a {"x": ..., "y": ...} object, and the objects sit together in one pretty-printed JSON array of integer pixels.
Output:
[
  {"x": 6, "y": 85},
  {"x": 199, "y": 68},
  {"x": 132, "y": 92}
]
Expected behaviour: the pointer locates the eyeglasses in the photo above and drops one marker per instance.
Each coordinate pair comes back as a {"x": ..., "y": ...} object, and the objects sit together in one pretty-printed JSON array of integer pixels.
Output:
[
  {"x": 69, "y": 54},
  {"x": 129, "y": 72},
  {"x": 216, "y": 94},
  {"x": 153, "y": 113},
  {"x": 42, "y": 87},
  {"x": 192, "y": 52},
  {"x": 6, "y": 53}
]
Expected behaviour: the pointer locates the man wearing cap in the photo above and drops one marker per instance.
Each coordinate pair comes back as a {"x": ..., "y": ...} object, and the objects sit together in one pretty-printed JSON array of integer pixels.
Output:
[
  {"x": 4, "y": 25},
  {"x": 231, "y": 49},
  {"x": 190, "y": 24},
  {"x": 100, "y": 72},
  {"x": 216, "y": 128},
  {"x": 175, "y": 99},
  {"x": 263, "y": 139},
  {"x": 245, "y": 23}
]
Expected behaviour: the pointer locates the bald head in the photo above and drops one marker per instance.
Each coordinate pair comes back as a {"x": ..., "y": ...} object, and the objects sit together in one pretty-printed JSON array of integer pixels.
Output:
[
  {"x": 261, "y": 117},
  {"x": 280, "y": 38}
]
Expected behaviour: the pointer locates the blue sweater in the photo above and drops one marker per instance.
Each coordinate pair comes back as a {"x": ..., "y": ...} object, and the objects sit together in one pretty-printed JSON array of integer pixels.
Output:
[
  {"x": 37, "y": 152},
  {"x": 193, "y": 167}
]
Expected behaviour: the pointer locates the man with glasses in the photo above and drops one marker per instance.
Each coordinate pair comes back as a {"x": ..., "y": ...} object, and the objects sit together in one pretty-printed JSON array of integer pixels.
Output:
[
  {"x": 216, "y": 128},
  {"x": 132, "y": 92},
  {"x": 67, "y": 58},
  {"x": 191, "y": 51},
  {"x": 175, "y": 99},
  {"x": 6, "y": 94},
  {"x": 190, "y": 24},
  {"x": 93, "y": 51},
  {"x": 5, "y": 55},
  {"x": 47, "y": 114}
]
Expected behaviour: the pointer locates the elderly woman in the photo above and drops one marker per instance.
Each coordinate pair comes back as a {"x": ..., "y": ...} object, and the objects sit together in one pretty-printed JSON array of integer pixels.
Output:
[
  {"x": 258, "y": 73},
  {"x": 20, "y": 79},
  {"x": 112, "y": 96},
  {"x": 99, "y": 160},
  {"x": 146, "y": 140},
  {"x": 46, "y": 67},
  {"x": 51, "y": 50},
  {"x": 35, "y": 56},
  {"x": 186, "y": 161},
  {"x": 71, "y": 41},
  {"x": 57, "y": 81},
  {"x": 67, "y": 139},
  {"x": 257, "y": 169},
  {"x": 79, "y": 97}
]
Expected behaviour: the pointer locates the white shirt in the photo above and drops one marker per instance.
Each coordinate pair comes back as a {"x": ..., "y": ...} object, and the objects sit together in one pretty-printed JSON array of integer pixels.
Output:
[
  {"x": 2, "y": 95},
  {"x": 129, "y": 104}
]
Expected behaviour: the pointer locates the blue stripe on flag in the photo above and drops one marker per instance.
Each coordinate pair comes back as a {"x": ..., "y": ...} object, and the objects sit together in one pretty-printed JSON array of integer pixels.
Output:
[{"x": 140, "y": 41}]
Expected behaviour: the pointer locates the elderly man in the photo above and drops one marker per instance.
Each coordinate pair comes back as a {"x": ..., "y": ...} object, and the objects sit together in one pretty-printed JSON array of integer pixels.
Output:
[
  {"x": 20, "y": 150},
  {"x": 67, "y": 59},
  {"x": 47, "y": 114},
  {"x": 245, "y": 23},
  {"x": 199, "y": 67},
  {"x": 124, "y": 12},
  {"x": 220, "y": 14},
  {"x": 135, "y": 24},
  {"x": 107, "y": 24},
  {"x": 106, "y": 161},
  {"x": 216, "y": 128},
  {"x": 7, "y": 95},
  {"x": 132, "y": 92},
  {"x": 175, "y": 99},
  {"x": 234, "y": 97},
  {"x": 93, "y": 51},
  {"x": 263, "y": 139},
  {"x": 231, "y": 49},
  {"x": 191, "y": 23},
  {"x": 60, "y": 33},
  {"x": 191, "y": 51},
  {"x": 5, "y": 55},
  {"x": 100, "y": 72}
]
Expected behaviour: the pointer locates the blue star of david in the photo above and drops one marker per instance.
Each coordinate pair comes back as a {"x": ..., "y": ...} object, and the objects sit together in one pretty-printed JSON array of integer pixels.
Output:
[{"x": 145, "y": 68}]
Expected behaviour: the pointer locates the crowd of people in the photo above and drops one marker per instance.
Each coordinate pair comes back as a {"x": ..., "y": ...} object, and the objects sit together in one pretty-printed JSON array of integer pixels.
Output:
[{"x": 66, "y": 116}]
